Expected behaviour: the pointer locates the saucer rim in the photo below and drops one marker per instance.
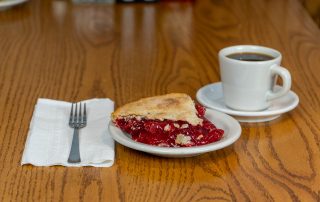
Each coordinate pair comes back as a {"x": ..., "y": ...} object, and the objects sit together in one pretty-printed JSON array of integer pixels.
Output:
[
  {"x": 267, "y": 112},
  {"x": 7, "y": 4}
]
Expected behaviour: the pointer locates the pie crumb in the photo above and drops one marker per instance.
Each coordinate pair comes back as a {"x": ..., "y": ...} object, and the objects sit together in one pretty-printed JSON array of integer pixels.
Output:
[
  {"x": 184, "y": 126},
  {"x": 167, "y": 127},
  {"x": 199, "y": 137},
  {"x": 182, "y": 139},
  {"x": 176, "y": 125}
]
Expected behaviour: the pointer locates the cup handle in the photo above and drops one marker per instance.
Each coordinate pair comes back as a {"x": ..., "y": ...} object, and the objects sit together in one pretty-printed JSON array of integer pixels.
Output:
[{"x": 286, "y": 79}]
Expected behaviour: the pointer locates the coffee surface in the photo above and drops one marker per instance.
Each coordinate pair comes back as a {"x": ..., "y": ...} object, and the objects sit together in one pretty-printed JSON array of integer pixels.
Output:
[{"x": 246, "y": 56}]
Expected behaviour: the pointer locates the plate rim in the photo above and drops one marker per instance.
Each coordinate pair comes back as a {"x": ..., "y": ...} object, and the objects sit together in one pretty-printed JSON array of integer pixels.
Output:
[
  {"x": 180, "y": 151},
  {"x": 11, "y": 3},
  {"x": 246, "y": 113}
]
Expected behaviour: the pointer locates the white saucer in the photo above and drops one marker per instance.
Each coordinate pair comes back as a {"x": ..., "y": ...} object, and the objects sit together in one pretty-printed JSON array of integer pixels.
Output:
[
  {"x": 5, "y": 4},
  {"x": 231, "y": 127},
  {"x": 211, "y": 96}
]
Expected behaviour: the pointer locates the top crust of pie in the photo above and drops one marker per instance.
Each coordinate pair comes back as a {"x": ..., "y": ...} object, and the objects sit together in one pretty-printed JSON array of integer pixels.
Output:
[{"x": 174, "y": 106}]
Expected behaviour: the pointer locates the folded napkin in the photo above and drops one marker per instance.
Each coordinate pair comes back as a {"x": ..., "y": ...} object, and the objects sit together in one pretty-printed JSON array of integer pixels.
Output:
[{"x": 50, "y": 137}]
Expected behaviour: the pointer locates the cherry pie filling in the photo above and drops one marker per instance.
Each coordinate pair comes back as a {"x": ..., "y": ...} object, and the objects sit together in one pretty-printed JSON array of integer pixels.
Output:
[{"x": 169, "y": 133}]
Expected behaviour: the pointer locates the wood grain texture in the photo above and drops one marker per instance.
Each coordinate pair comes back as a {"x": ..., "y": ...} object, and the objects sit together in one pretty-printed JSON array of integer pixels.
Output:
[
  {"x": 313, "y": 8},
  {"x": 60, "y": 50}
]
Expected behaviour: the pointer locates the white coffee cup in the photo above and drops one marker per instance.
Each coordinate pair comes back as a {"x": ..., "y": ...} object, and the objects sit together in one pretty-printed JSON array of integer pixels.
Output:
[{"x": 248, "y": 85}]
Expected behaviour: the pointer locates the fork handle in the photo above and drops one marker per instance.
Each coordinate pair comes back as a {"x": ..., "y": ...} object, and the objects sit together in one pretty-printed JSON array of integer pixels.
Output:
[{"x": 74, "y": 156}]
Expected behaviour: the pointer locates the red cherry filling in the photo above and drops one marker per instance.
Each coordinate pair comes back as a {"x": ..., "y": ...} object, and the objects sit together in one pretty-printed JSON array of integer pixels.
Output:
[{"x": 169, "y": 133}]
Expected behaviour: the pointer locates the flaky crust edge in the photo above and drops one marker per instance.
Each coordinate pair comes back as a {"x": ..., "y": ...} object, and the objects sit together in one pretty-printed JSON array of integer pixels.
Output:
[{"x": 120, "y": 111}]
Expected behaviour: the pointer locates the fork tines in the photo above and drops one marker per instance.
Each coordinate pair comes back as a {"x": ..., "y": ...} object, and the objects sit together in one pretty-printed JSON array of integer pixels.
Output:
[{"x": 78, "y": 117}]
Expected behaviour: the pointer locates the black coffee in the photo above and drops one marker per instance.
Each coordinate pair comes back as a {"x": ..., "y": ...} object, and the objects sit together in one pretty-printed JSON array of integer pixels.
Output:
[{"x": 246, "y": 56}]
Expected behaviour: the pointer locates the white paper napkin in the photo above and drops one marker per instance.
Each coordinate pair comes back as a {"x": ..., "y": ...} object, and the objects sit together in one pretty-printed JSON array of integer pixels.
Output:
[{"x": 50, "y": 137}]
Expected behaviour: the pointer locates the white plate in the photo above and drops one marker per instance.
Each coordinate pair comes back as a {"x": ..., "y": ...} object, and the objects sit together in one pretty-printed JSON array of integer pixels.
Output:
[
  {"x": 5, "y": 4},
  {"x": 211, "y": 96},
  {"x": 231, "y": 127}
]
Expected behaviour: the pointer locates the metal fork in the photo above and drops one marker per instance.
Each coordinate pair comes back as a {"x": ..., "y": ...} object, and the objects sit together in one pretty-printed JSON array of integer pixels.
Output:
[{"x": 77, "y": 120}]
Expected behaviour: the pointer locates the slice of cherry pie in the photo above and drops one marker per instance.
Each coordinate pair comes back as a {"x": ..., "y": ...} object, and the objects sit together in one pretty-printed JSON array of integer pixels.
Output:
[{"x": 171, "y": 120}]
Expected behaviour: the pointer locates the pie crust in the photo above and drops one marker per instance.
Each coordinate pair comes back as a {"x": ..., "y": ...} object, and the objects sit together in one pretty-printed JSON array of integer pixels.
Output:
[{"x": 173, "y": 106}]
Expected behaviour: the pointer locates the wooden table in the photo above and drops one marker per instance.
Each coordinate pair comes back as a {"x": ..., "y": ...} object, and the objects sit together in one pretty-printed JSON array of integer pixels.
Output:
[{"x": 60, "y": 50}]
